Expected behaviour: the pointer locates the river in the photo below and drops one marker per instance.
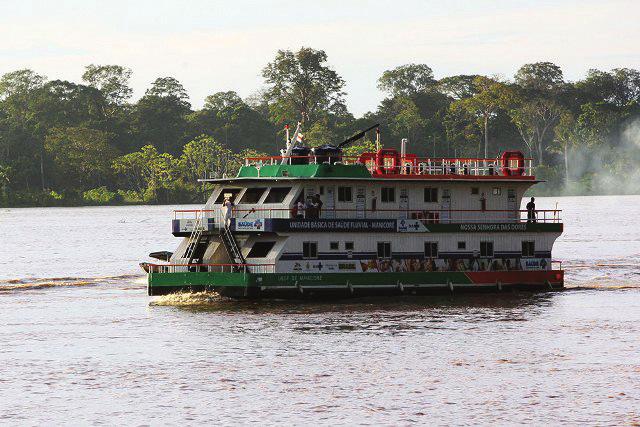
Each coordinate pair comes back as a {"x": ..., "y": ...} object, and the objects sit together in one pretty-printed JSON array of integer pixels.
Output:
[{"x": 82, "y": 343}]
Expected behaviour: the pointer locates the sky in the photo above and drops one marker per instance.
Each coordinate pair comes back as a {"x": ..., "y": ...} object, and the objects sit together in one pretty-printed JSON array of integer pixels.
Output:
[{"x": 216, "y": 45}]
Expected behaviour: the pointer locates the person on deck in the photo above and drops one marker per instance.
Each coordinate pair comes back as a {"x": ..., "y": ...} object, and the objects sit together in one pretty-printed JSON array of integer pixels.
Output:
[
  {"x": 227, "y": 209},
  {"x": 300, "y": 213},
  {"x": 317, "y": 204},
  {"x": 531, "y": 210}
]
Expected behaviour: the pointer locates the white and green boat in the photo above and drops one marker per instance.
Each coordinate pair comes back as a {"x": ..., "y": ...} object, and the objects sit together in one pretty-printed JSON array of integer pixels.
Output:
[{"x": 314, "y": 222}]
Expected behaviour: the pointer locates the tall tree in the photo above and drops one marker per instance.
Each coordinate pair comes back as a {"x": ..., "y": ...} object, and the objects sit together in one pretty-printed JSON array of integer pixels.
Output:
[
  {"x": 160, "y": 116},
  {"x": 301, "y": 86},
  {"x": 540, "y": 78},
  {"x": 111, "y": 80},
  {"x": 407, "y": 80},
  {"x": 458, "y": 87},
  {"x": 535, "y": 120},
  {"x": 491, "y": 95}
]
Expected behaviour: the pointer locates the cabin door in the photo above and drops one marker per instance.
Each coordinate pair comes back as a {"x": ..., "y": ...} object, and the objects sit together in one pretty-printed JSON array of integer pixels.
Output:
[
  {"x": 361, "y": 201},
  {"x": 512, "y": 205},
  {"x": 445, "y": 206},
  {"x": 329, "y": 207},
  {"x": 404, "y": 203}
]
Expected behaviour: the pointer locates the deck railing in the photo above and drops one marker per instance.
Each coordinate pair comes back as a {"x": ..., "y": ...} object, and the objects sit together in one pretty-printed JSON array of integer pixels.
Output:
[
  {"x": 211, "y": 268},
  {"x": 443, "y": 216},
  {"x": 407, "y": 165}
]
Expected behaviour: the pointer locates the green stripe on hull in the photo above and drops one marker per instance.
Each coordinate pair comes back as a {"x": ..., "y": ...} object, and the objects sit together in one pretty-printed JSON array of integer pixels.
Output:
[{"x": 267, "y": 280}]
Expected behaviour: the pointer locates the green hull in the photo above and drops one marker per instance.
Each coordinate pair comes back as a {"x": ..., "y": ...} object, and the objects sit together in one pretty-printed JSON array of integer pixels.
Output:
[{"x": 346, "y": 284}]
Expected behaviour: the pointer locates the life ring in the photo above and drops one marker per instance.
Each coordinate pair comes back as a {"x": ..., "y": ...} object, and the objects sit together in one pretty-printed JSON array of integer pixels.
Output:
[{"x": 512, "y": 163}]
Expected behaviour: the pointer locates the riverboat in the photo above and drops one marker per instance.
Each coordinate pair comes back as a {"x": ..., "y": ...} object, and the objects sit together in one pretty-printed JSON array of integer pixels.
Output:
[{"x": 314, "y": 222}]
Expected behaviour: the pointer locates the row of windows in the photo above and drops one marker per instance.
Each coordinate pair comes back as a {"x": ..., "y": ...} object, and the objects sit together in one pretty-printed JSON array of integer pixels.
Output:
[
  {"x": 310, "y": 249},
  {"x": 253, "y": 195},
  {"x": 345, "y": 194}
]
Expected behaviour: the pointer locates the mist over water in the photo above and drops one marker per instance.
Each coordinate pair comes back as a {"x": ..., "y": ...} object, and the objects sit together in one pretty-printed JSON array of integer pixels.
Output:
[{"x": 82, "y": 343}]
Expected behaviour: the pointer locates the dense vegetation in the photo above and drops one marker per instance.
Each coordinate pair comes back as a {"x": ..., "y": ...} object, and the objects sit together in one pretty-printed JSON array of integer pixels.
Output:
[{"x": 85, "y": 143}]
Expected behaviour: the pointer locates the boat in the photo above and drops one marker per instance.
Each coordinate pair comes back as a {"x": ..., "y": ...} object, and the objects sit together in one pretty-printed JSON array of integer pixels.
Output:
[{"x": 314, "y": 222}]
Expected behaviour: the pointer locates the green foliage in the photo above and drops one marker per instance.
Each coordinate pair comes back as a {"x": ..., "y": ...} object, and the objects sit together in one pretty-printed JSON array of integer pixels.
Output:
[
  {"x": 100, "y": 196},
  {"x": 65, "y": 143},
  {"x": 301, "y": 87},
  {"x": 407, "y": 80}
]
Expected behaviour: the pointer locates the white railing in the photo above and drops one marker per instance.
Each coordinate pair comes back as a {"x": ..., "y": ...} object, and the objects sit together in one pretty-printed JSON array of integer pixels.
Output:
[
  {"x": 211, "y": 268},
  {"x": 409, "y": 165},
  {"x": 433, "y": 216}
]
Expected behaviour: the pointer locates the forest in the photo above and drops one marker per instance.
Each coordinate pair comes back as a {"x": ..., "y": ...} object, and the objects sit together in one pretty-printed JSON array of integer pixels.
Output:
[{"x": 68, "y": 143}]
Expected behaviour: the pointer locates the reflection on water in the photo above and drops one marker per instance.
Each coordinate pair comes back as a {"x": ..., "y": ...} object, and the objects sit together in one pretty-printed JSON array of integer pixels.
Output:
[{"x": 82, "y": 341}]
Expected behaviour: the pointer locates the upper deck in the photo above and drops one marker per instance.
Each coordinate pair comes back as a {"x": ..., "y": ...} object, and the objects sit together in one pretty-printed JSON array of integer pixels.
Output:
[{"x": 388, "y": 164}]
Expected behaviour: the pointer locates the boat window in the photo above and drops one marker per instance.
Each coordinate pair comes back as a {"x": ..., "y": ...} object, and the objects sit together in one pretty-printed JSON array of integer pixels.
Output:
[
  {"x": 348, "y": 246},
  {"x": 431, "y": 249},
  {"x": 233, "y": 191},
  {"x": 384, "y": 249},
  {"x": 277, "y": 194},
  {"x": 528, "y": 248},
  {"x": 345, "y": 194},
  {"x": 334, "y": 246},
  {"x": 486, "y": 249},
  {"x": 462, "y": 245},
  {"x": 388, "y": 194},
  {"x": 260, "y": 249},
  {"x": 431, "y": 195},
  {"x": 309, "y": 249},
  {"x": 252, "y": 195},
  {"x": 475, "y": 190}
]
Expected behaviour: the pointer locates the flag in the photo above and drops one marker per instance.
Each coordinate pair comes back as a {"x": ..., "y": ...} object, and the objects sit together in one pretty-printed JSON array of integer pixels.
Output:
[{"x": 299, "y": 137}]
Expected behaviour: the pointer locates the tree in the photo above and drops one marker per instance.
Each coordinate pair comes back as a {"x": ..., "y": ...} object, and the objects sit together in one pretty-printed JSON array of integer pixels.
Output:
[
  {"x": 82, "y": 156},
  {"x": 491, "y": 95},
  {"x": 540, "y": 78},
  {"x": 147, "y": 172},
  {"x": 565, "y": 137},
  {"x": 458, "y": 87},
  {"x": 204, "y": 157},
  {"x": 407, "y": 80},
  {"x": 620, "y": 87},
  {"x": 300, "y": 86},
  {"x": 160, "y": 115},
  {"x": 408, "y": 119},
  {"x": 535, "y": 120},
  {"x": 111, "y": 80}
]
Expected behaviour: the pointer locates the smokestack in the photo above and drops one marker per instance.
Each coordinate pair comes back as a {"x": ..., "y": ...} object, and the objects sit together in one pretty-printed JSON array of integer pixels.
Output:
[{"x": 403, "y": 149}]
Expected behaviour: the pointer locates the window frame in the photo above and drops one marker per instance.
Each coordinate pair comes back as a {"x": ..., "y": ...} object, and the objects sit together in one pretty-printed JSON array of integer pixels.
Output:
[
  {"x": 431, "y": 191},
  {"x": 242, "y": 200},
  {"x": 388, "y": 191},
  {"x": 462, "y": 245},
  {"x": 347, "y": 244},
  {"x": 336, "y": 248},
  {"x": 341, "y": 194},
  {"x": 266, "y": 198},
  {"x": 306, "y": 247},
  {"x": 475, "y": 191},
  {"x": 533, "y": 249},
  {"x": 487, "y": 244},
  {"x": 273, "y": 243},
  {"x": 384, "y": 244},
  {"x": 431, "y": 245}
]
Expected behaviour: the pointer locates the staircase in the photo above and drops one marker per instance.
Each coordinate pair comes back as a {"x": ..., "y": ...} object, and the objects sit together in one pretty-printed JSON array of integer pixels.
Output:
[
  {"x": 231, "y": 245},
  {"x": 194, "y": 240}
]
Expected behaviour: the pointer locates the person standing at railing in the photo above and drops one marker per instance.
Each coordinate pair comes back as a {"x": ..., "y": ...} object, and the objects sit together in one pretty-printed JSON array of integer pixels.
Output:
[
  {"x": 300, "y": 212},
  {"x": 531, "y": 210},
  {"x": 227, "y": 211}
]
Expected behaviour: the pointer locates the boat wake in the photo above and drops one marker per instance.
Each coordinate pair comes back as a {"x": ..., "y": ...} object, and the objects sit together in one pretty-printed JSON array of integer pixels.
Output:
[
  {"x": 14, "y": 285},
  {"x": 188, "y": 299}
]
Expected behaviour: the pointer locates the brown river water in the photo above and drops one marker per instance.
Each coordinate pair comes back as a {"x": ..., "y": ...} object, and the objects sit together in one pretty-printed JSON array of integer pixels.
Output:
[{"x": 81, "y": 343}]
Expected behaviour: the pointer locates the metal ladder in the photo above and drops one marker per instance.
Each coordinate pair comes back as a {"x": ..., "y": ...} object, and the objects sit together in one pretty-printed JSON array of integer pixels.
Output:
[
  {"x": 194, "y": 239},
  {"x": 231, "y": 245}
]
